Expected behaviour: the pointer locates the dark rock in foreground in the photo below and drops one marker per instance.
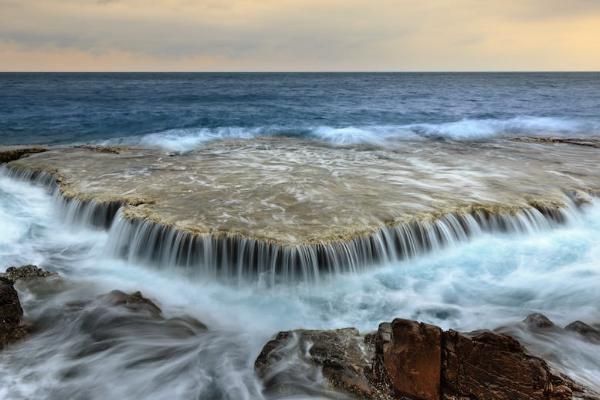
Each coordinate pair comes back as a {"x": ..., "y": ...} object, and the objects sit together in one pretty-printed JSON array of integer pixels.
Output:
[
  {"x": 487, "y": 365},
  {"x": 410, "y": 360},
  {"x": 344, "y": 356},
  {"x": 12, "y": 327},
  {"x": 104, "y": 320},
  {"x": 11, "y": 314}
]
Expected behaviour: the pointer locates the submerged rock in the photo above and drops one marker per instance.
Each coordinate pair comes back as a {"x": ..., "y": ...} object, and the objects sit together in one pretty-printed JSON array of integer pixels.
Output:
[
  {"x": 410, "y": 360},
  {"x": 11, "y": 314},
  {"x": 588, "y": 332},
  {"x": 538, "y": 321},
  {"x": 116, "y": 320},
  {"x": 134, "y": 301}
]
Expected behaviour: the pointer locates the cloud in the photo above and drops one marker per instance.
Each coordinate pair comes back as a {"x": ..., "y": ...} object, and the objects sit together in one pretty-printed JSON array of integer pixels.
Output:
[{"x": 310, "y": 34}]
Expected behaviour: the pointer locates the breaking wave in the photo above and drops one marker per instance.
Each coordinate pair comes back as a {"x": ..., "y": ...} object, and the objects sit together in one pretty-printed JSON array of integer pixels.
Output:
[{"x": 180, "y": 140}]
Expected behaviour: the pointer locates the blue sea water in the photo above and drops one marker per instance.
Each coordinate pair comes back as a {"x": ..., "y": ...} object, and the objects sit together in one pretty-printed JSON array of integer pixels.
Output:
[{"x": 182, "y": 110}]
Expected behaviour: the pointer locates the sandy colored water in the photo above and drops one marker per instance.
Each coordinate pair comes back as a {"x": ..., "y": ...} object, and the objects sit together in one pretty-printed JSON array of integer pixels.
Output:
[{"x": 293, "y": 191}]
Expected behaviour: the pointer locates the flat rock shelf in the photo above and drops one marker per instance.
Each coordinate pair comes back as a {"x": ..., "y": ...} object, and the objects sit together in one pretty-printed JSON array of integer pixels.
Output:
[{"x": 291, "y": 208}]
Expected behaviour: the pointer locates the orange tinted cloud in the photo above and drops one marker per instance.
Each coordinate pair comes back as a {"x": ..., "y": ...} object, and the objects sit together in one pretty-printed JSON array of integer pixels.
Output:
[{"x": 201, "y": 35}]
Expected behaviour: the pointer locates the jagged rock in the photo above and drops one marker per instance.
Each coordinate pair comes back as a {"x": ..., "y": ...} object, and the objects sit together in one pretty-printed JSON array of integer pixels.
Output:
[
  {"x": 590, "y": 333},
  {"x": 487, "y": 365},
  {"x": 11, "y": 314},
  {"x": 410, "y": 353},
  {"x": 343, "y": 356},
  {"x": 410, "y": 360},
  {"x": 26, "y": 272},
  {"x": 538, "y": 321}
]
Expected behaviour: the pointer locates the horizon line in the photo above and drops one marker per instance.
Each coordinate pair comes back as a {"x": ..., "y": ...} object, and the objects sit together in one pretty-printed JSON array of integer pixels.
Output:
[{"x": 301, "y": 72}]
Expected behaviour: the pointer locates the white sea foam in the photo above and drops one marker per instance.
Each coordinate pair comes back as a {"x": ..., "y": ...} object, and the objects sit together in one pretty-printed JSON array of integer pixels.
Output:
[
  {"x": 468, "y": 129},
  {"x": 379, "y": 135},
  {"x": 491, "y": 281}
]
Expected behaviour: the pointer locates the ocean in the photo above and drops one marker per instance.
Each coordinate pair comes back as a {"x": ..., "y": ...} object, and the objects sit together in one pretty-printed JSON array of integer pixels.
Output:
[
  {"x": 179, "y": 111},
  {"x": 491, "y": 279}
]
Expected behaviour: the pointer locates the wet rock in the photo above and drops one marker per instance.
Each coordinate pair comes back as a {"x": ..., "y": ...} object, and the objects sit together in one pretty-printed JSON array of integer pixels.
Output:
[
  {"x": 142, "y": 306},
  {"x": 134, "y": 301},
  {"x": 410, "y": 353},
  {"x": 8, "y": 154},
  {"x": 26, "y": 273},
  {"x": 11, "y": 314},
  {"x": 410, "y": 360},
  {"x": 111, "y": 320},
  {"x": 487, "y": 365},
  {"x": 287, "y": 361},
  {"x": 537, "y": 321},
  {"x": 100, "y": 149},
  {"x": 588, "y": 332}
]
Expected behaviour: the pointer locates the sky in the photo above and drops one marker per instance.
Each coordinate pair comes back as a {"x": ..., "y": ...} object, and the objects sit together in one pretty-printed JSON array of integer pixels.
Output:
[{"x": 299, "y": 35}]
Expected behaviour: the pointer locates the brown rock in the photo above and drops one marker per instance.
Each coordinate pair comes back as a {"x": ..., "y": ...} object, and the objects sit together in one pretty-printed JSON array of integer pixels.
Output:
[
  {"x": 11, "y": 313},
  {"x": 344, "y": 359},
  {"x": 410, "y": 353},
  {"x": 486, "y": 365},
  {"x": 409, "y": 360}
]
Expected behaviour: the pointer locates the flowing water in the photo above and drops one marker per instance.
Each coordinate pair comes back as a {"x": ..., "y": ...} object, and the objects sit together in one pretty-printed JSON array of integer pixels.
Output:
[{"x": 492, "y": 280}]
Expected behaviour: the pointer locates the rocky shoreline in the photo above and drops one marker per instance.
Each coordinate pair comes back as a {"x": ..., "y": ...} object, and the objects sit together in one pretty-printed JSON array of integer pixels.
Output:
[
  {"x": 406, "y": 359},
  {"x": 403, "y": 359}
]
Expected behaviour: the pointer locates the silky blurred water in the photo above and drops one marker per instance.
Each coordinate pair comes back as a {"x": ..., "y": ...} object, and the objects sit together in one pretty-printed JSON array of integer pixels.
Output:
[{"x": 491, "y": 281}]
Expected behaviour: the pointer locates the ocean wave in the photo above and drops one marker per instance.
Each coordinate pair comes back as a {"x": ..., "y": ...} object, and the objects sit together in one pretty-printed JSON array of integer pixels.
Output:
[
  {"x": 180, "y": 140},
  {"x": 469, "y": 129}
]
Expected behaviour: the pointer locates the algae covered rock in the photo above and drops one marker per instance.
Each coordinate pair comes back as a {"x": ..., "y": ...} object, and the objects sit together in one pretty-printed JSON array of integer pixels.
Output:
[{"x": 26, "y": 273}]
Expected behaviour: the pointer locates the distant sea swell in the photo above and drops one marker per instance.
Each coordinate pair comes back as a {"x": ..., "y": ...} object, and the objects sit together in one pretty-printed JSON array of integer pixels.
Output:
[
  {"x": 179, "y": 112},
  {"x": 465, "y": 129}
]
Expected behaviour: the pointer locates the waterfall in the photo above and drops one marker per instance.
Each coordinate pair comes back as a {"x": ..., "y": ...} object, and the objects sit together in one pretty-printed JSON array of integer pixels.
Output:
[
  {"x": 243, "y": 258},
  {"x": 74, "y": 211}
]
